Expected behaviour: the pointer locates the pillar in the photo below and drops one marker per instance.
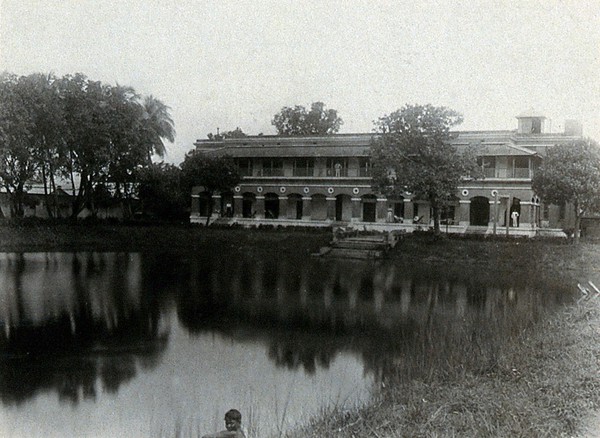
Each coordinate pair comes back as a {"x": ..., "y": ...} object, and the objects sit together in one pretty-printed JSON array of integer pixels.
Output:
[
  {"x": 237, "y": 205},
  {"x": 306, "y": 208},
  {"x": 260, "y": 207},
  {"x": 464, "y": 212},
  {"x": 526, "y": 215},
  {"x": 356, "y": 209},
  {"x": 216, "y": 207},
  {"x": 195, "y": 211},
  {"x": 381, "y": 210},
  {"x": 284, "y": 208},
  {"x": 409, "y": 211}
]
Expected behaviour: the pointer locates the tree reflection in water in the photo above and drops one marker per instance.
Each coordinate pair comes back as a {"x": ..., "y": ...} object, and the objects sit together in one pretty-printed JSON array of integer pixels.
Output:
[{"x": 74, "y": 324}]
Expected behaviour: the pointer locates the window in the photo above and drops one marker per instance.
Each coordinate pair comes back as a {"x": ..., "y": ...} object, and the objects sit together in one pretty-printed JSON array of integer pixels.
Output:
[
  {"x": 364, "y": 167},
  {"x": 272, "y": 167},
  {"x": 304, "y": 167},
  {"x": 521, "y": 167},
  {"x": 337, "y": 167},
  {"x": 244, "y": 166}
]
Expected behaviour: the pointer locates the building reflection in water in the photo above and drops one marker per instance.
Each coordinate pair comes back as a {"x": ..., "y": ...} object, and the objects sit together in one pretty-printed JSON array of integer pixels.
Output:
[
  {"x": 84, "y": 322},
  {"x": 403, "y": 322}
]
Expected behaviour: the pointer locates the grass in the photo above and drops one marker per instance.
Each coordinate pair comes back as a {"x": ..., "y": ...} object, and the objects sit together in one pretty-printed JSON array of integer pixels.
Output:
[{"x": 544, "y": 382}]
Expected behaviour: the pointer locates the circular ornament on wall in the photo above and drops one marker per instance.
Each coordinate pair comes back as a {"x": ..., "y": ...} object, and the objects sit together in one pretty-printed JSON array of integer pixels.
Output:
[
  {"x": 330, "y": 190},
  {"x": 494, "y": 192},
  {"x": 259, "y": 189},
  {"x": 355, "y": 190},
  {"x": 237, "y": 189},
  {"x": 465, "y": 192},
  {"x": 306, "y": 190},
  {"x": 282, "y": 189}
]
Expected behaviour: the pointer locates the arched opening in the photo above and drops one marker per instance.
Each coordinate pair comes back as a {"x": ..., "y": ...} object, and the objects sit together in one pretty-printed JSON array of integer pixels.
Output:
[
  {"x": 515, "y": 212},
  {"x": 343, "y": 208},
  {"x": 294, "y": 210},
  {"x": 397, "y": 208},
  {"x": 271, "y": 206},
  {"x": 248, "y": 200},
  {"x": 480, "y": 211},
  {"x": 204, "y": 203},
  {"x": 227, "y": 204},
  {"x": 369, "y": 208}
]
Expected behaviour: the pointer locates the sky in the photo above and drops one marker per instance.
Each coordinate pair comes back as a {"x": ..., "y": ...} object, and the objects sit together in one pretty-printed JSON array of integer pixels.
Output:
[{"x": 227, "y": 64}]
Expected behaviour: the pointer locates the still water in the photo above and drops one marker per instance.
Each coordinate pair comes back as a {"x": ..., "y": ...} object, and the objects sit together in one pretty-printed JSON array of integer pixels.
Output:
[{"x": 152, "y": 344}]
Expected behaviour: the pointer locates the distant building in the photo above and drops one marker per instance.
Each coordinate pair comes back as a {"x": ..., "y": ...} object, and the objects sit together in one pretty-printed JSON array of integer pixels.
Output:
[{"x": 319, "y": 180}]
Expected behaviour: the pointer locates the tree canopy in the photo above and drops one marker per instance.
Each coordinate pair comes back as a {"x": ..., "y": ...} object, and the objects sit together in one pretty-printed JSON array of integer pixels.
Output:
[
  {"x": 570, "y": 173},
  {"x": 214, "y": 173},
  {"x": 72, "y": 127},
  {"x": 412, "y": 156},
  {"x": 236, "y": 133},
  {"x": 300, "y": 121}
]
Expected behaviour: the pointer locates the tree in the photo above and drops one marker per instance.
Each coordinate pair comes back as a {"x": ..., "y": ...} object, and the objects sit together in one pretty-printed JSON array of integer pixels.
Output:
[
  {"x": 236, "y": 133},
  {"x": 214, "y": 173},
  {"x": 160, "y": 191},
  {"x": 18, "y": 165},
  {"x": 412, "y": 154},
  {"x": 570, "y": 173},
  {"x": 299, "y": 121}
]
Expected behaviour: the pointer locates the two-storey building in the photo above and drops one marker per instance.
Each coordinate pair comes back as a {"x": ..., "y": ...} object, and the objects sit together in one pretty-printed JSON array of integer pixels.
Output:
[{"x": 319, "y": 180}]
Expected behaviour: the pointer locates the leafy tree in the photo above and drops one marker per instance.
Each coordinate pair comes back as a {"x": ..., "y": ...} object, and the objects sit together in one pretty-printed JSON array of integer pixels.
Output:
[
  {"x": 159, "y": 188},
  {"x": 570, "y": 173},
  {"x": 236, "y": 133},
  {"x": 299, "y": 121},
  {"x": 214, "y": 173},
  {"x": 412, "y": 154},
  {"x": 18, "y": 165}
]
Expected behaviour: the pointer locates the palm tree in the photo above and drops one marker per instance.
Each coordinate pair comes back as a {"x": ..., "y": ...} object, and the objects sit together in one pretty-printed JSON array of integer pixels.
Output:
[{"x": 157, "y": 125}]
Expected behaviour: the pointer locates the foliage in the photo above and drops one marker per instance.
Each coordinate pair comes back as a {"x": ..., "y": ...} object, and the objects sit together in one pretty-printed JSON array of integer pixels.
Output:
[
  {"x": 160, "y": 191},
  {"x": 236, "y": 133},
  {"x": 71, "y": 127},
  {"x": 299, "y": 121},
  {"x": 412, "y": 156},
  {"x": 570, "y": 173},
  {"x": 214, "y": 173}
]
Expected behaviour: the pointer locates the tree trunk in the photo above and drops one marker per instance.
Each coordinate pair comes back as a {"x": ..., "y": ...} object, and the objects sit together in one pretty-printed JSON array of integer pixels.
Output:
[{"x": 576, "y": 228}]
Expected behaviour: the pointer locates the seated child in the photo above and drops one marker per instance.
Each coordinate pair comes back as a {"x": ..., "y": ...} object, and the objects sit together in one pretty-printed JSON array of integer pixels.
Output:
[{"x": 233, "y": 426}]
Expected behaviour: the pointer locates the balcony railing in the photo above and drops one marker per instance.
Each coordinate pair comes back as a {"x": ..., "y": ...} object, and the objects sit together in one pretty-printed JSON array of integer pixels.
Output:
[{"x": 491, "y": 172}]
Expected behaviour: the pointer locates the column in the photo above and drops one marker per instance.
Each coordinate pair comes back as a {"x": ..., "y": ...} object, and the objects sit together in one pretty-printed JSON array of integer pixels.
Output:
[
  {"x": 526, "y": 215},
  {"x": 356, "y": 209},
  {"x": 464, "y": 212},
  {"x": 330, "y": 208},
  {"x": 306, "y": 208},
  {"x": 216, "y": 207},
  {"x": 260, "y": 207},
  {"x": 381, "y": 210},
  {"x": 409, "y": 211},
  {"x": 284, "y": 208},
  {"x": 237, "y": 205}
]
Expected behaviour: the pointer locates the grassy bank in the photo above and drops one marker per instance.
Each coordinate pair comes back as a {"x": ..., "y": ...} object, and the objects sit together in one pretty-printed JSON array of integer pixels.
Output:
[{"x": 544, "y": 382}]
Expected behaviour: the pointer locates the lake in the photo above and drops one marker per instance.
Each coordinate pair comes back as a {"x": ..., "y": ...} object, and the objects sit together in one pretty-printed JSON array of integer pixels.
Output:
[{"x": 164, "y": 343}]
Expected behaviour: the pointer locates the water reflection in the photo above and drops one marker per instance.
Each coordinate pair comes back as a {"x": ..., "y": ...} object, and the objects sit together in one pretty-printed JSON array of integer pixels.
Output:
[
  {"x": 73, "y": 323},
  {"x": 86, "y": 325}
]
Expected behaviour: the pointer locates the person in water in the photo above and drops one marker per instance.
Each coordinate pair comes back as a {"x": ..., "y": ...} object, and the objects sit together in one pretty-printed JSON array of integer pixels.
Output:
[{"x": 233, "y": 426}]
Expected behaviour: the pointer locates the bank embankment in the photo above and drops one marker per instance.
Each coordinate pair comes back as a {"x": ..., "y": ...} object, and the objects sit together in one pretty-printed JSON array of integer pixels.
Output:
[{"x": 544, "y": 383}]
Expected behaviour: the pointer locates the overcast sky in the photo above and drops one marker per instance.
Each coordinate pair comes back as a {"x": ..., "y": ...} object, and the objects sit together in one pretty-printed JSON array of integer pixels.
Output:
[{"x": 235, "y": 63}]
